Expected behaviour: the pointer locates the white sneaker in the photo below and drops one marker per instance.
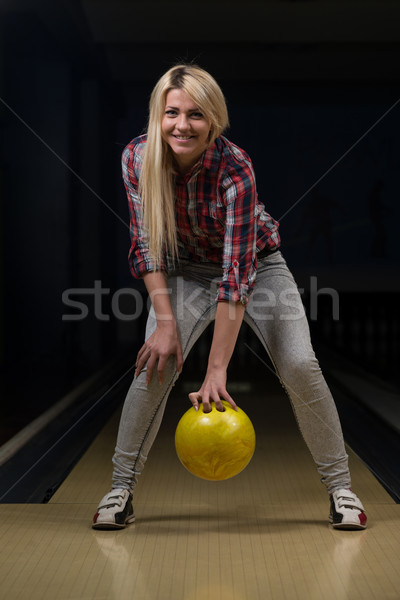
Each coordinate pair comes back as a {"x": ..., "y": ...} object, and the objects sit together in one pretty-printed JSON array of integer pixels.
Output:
[
  {"x": 114, "y": 511},
  {"x": 347, "y": 511}
]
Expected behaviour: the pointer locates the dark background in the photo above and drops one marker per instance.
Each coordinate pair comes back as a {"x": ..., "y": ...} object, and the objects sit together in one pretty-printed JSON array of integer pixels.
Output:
[{"x": 307, "y": 85}]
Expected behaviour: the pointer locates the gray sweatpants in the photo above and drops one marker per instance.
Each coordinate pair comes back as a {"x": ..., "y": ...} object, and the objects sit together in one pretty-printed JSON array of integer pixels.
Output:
[{"x": 275, "y": 313}]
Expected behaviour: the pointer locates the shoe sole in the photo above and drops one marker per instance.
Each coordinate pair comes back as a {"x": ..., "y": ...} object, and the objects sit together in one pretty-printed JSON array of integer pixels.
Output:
[
  {"x": 111, "y": 525},
  {"x": 348, "y": 526}
]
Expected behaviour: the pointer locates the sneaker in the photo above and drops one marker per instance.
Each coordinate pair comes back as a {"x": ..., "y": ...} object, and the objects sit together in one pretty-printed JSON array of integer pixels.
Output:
[
  {"x": 114, "y": 511},
  {"x": 347, "y": 511}
]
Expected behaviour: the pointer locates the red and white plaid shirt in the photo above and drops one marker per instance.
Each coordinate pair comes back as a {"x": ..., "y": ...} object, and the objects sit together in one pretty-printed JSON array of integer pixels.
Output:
[{"x": 218, "y": 216}]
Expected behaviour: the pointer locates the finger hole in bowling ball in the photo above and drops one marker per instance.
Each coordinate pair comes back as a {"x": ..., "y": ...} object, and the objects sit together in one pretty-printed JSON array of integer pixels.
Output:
[{"x": 223, "y": 409}]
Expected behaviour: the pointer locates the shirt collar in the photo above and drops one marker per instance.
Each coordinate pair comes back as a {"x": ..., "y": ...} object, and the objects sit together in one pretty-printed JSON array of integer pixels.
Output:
[
  {"x": 210, "y": 157},
  {"x": 208, "y": 160}
]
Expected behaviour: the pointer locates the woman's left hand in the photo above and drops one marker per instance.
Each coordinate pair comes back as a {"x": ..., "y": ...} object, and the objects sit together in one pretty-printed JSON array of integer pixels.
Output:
[
  {"x": 163, "y": 343},
  {"x": 212, "y": 390}
]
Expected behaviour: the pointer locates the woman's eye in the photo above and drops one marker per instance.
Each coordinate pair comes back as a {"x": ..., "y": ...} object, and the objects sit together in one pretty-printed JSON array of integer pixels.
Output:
[{"x": 195, "y": 114}]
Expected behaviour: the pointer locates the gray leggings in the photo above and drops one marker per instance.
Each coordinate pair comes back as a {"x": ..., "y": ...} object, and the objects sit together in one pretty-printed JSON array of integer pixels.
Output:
[{"x": 275, "y": 313}]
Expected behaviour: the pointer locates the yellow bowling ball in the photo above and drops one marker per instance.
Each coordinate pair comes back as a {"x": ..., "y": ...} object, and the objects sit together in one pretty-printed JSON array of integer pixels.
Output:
[{"x": 215, "y": 445}]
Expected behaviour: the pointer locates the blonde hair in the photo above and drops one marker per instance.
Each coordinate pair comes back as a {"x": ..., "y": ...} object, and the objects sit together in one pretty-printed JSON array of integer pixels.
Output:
[{"x": 156, "y": 178}]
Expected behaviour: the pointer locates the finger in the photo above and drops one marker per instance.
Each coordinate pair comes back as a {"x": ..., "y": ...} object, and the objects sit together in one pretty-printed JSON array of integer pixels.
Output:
[
  {"x": 194, "y": 399},
  {"x": 150, "y": 367},
  {"x": 229, "y": 399},
  {"x": 141, "y": 351},
  {"x": 218, "y": 403},
  {"x": 206, "y": 402},
  {"x": 138, "y": 368},
  {"x": 141, "y": 362},
  {"x": 162, "y": 361},
  {"x": 215, "y": 397},
  {"x": 141, "y": 358}
]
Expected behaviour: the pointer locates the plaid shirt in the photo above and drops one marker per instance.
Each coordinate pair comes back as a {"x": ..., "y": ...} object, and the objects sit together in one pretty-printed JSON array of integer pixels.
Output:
[{"x": 218, "y": 216}]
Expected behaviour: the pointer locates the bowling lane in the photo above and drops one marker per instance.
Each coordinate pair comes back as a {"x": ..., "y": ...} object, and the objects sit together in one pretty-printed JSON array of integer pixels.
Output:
[{"x": 263, "y": 534}]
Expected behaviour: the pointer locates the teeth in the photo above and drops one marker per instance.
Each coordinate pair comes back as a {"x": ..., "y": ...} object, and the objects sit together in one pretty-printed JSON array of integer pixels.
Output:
[{"x": 183, "y": 137}]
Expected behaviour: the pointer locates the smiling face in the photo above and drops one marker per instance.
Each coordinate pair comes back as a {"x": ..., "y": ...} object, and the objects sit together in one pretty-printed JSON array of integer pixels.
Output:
[{"x": 185, "y": 129}]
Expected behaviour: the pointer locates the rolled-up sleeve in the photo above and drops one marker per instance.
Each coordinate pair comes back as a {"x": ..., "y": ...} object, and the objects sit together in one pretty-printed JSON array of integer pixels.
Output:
[
  {"x": 139, "y": 258},
  {"x": 239, "y": 255}
]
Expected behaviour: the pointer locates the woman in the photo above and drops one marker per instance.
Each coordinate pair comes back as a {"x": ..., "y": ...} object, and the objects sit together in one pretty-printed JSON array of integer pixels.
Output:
[{"x": 203, "y": 243}]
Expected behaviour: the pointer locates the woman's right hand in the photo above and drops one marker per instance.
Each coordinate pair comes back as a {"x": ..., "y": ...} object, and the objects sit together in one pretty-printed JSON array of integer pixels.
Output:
[{"x": 163, "y": 343}]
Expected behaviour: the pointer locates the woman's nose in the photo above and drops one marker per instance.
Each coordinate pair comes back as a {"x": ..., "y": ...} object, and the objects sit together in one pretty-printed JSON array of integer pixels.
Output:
[{"x": 183, "y": 123}]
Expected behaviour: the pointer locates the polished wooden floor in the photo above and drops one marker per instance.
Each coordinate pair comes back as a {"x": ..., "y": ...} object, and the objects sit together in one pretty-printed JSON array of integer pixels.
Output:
[{"x": 262, "y": 535}]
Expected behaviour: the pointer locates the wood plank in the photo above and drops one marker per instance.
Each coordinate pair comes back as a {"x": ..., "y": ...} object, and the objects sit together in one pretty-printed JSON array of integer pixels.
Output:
[{"x": 263, "y": 534}]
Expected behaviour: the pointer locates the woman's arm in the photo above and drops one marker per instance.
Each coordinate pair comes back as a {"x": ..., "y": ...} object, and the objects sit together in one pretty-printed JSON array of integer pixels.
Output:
[
  {"x": 165, "y": 339},
  {"x": 228, "y": 320},
  {"x": 237, "y": 187}
]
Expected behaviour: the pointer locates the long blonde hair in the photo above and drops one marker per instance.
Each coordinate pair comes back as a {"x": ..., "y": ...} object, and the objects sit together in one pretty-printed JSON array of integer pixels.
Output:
[{"x": 156, "y": 178}]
